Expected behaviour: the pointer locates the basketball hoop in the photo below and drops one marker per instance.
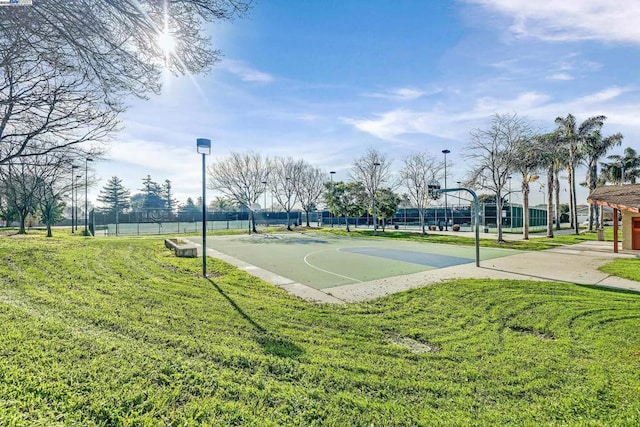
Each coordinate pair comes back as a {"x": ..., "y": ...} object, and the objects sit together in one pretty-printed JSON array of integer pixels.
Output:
[{"x": 432, "y": 189}]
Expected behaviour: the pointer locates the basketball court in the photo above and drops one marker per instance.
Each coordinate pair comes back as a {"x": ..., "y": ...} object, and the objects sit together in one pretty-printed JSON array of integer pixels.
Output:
[{"x": 323, "y": 262}]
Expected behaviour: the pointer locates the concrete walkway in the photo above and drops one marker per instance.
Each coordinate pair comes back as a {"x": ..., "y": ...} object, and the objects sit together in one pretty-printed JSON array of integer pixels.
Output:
[{"x": 576, "y": 264}]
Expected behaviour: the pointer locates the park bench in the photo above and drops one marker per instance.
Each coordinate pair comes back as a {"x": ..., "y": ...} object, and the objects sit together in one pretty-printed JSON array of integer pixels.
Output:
[{"x": 181, "y": 250}]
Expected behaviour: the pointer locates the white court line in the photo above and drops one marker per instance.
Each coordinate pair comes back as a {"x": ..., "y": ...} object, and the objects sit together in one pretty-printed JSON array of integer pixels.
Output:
[{"x": 326, "y": 271}]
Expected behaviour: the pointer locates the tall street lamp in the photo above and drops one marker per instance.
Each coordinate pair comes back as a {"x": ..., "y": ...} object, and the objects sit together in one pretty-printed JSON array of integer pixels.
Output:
[
  {"x": 73, "y": 186},
  {"x": 86, "y": 198},
  {"x": 76, "y": 190},
  {"x": 265, "y": 195},
  {"x": 264, "y": 208},
  {"x": 204, "y": 147},
  {"x": 375, "y": 220},
  {"x": 446, "y": 220},
  {"x": 331, "y": 173},
  {"x": 510, "y": 206}
]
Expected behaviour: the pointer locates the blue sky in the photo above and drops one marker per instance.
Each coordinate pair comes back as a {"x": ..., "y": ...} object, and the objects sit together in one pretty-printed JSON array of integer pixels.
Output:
[{"x": 325, "y": 80}]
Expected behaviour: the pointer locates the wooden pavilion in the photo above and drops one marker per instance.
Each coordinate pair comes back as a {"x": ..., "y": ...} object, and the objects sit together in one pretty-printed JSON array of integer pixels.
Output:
[{"x": 626, "y": 200}]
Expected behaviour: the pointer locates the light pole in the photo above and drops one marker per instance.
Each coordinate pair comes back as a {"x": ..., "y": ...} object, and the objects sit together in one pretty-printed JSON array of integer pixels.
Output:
[
  {"x": 265, "y": 195},
  {"x": 331, "y": 173},
  {"x": 510, "y": 207},
  {"x": 86, "y": 192},
  {"x": 76, "y": 208},
  {"x": 446, "y": 220},
  {"x": 373, "y": 200},
  {"x": 264, "y": 208},
  {"x": 288, "y": 195},
  {"x": 204, "y": 147},
  {"x": 73, "y": 186}
]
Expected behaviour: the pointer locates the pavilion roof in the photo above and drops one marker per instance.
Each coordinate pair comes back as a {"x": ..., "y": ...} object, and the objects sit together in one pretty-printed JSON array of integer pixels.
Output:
[{"x": 622, "y": 197}]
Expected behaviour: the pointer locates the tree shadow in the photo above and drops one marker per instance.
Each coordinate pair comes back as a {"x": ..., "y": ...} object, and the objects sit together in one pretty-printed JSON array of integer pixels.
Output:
[{"x": 272, "y": 344}]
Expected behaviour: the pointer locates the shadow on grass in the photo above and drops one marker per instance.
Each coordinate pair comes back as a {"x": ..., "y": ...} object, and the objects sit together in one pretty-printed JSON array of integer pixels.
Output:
[{"x": 272, "y": 344}]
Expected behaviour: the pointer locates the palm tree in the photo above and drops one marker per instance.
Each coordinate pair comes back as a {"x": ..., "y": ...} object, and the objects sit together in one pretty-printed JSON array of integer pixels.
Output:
[
  {"x": 594, "y": 147},
  {"x": 621, "y": 169},
  {"x": 551, "y": 154},
  {"x": 528, "y": 160},
  {"x": 574, "y": 137}
]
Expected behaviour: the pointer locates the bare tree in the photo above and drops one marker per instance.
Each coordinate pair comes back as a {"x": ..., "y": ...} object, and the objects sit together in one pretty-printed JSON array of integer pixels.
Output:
[
  {"x": 493, "y": 153},
  {"x": 50, "y": 191},
  {"x": 66, "y": 65},
  {"x": 372, "y": 170},
  {"x": 44, "y": 108},
  {"x": 19, "y": 184},
  {"x": 420, "y": 171},
  {"x": 121, "y": 45},
  {"x": 310, "y": 187},
  {"x": 285, "y": 178},
  {"x": 36, "y": 187},
  {"x": 240, "y": 177}
]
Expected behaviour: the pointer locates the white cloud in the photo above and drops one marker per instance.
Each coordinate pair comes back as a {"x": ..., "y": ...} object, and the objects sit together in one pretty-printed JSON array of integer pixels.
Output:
[
  {"x": 402, "y": 94},
  {"x": 571, "y": 20},
  {"x": 245, "y": 72},
  {"x": 603, "y": 95},
  {"x": 455, "y": 124},
  {"x": 560, "y": 76}
]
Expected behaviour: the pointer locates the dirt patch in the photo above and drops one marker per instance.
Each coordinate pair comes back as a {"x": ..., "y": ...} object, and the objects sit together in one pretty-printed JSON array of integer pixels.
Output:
[{"x": 414, "y": 345}]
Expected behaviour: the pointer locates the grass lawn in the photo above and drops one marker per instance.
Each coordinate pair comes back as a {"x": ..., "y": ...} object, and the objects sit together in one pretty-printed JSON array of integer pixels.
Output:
[
  {"x": 105, "y": 331},
  {"x": 533, "y": 244},
  {"x": 623, "y": 267}
]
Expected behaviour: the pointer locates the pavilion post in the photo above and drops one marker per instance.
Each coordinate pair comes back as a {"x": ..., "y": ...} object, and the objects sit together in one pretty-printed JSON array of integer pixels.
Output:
[{"x": 615, "y": 230}]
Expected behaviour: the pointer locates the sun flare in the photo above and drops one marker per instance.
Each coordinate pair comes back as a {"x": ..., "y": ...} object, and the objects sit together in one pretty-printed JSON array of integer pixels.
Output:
[{"x": 166, "y": 42}]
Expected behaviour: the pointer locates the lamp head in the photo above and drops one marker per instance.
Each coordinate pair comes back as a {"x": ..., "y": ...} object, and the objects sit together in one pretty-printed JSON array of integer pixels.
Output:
[
  {"x": 446, "y": 151},
  {"x": 203, "y": 146}
]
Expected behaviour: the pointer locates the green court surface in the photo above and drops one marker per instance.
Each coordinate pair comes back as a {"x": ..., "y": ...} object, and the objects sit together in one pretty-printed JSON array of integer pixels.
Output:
[{"x": 323, "y": 262}]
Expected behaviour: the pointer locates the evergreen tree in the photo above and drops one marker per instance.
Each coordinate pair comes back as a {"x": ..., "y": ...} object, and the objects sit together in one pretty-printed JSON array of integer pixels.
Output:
[
  {"x": 189, "y": 209},
  {"x": 167, "y": 196},
  {"x": 153, "y": 204},
  {"x": 114, "y": 197}
]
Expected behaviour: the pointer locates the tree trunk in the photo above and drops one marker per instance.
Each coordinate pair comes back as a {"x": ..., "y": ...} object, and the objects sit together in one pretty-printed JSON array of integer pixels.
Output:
[
  {"x": 569, "y": 183},
  {"x": 288, "y": 221},
  {"x": 49, "y": 234},
  {"x": 556, "y": 191},
  {"x": 253, "y": 222},
  {"x": 308, "y": 225},
  {"x": 525, "y": 209},
  {"x": 550, "y": 207},
  {"x": 422, "y": 224},
  {"x": 499, "y": 215},
  {"x": 592, "y": 184},
  {"x": 22, "y": 229},
  {"x": 574, "y": 201},
  {"x": 346, "y": 218},
  {"x": 600, "y": 217}
]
